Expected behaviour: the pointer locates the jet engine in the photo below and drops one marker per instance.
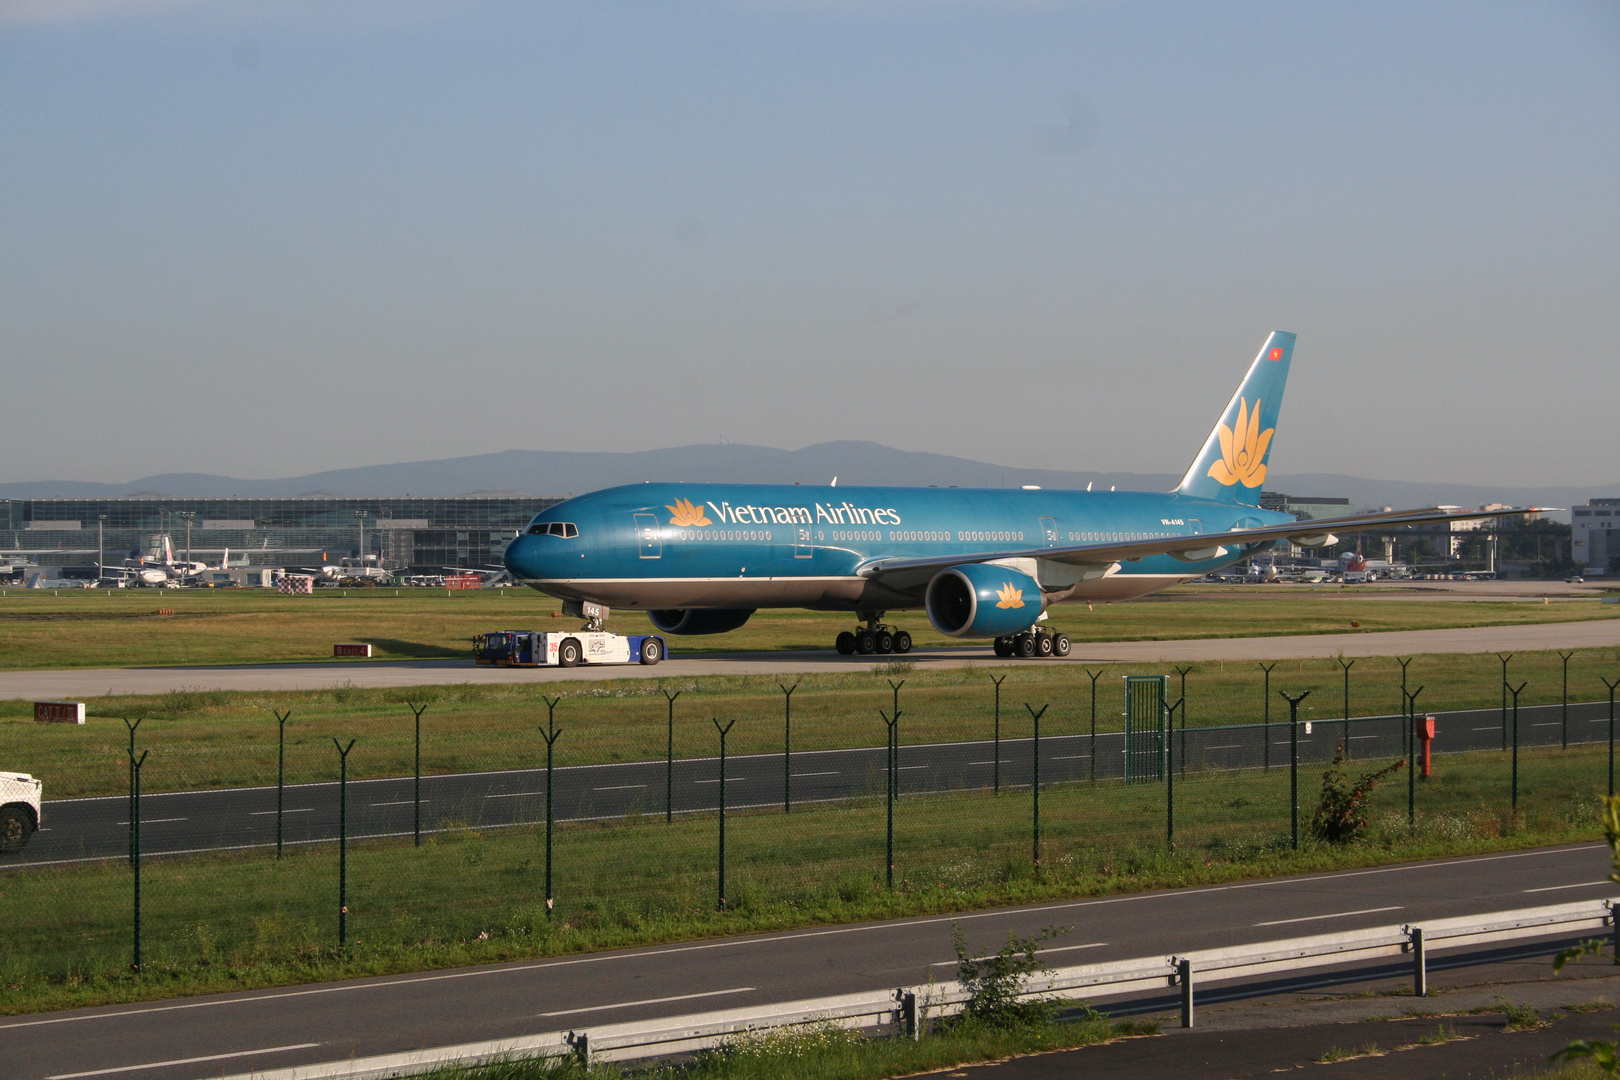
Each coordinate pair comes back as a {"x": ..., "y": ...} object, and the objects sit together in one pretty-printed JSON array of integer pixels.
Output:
[
  {"x": 982, "y": 600},
  {"x": 699, "y": 620}
]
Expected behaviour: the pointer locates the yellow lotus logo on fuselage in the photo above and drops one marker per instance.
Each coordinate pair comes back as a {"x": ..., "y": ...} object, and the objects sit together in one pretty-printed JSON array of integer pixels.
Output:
[
  {"x": 685, "y": 515},
  {"x": 1010, "y": 597},
  {"x": 1243, "y": 451}
]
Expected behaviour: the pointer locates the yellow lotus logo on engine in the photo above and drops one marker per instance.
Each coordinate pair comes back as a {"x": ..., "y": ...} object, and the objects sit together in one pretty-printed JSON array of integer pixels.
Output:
[
  {"x": 1243, "y": 450},
  {"x": 684, "y": 514},
  {"x": 1010, "y": 597}
]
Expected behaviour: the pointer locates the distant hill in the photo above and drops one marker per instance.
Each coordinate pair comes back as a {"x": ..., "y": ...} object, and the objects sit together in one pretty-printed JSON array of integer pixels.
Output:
[{"x": 559, "y": 473}]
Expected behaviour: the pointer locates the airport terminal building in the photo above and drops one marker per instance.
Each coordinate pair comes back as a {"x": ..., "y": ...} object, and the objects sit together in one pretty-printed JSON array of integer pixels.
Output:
[{"x": 408, "y": 535}]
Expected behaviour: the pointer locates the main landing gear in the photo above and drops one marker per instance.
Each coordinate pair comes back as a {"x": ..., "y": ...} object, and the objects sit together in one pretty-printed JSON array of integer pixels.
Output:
[
  {"x": 1031, "y": 643},
  {"x": 874, "y": 637}
]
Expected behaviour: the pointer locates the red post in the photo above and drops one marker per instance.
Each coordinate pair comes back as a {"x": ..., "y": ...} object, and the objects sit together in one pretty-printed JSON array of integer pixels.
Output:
[{"x": 1426, "y": 733}]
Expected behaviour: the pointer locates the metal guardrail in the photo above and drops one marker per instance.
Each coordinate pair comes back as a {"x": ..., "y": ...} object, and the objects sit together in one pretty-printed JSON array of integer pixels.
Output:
[{"x": 904, "y": 1011}]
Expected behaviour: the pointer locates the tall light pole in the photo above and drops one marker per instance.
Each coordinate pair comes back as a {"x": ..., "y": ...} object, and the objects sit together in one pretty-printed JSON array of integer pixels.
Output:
[
  {"x": 360, "y": 518},
  {"x": 188, "y": 515},
  {"x": 101, "y": 547}
]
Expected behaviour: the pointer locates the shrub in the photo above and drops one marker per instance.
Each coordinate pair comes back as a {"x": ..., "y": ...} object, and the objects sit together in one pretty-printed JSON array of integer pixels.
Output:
[{"x": 1341, "y": 814}]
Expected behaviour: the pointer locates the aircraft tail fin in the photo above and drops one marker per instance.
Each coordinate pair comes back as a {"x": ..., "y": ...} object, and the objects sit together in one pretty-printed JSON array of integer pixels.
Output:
[{"x": 1232, "y": 465}]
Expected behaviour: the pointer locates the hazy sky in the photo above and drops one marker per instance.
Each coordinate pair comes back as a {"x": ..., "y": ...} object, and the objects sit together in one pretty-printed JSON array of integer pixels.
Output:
[{"x": 270, "y": 238}]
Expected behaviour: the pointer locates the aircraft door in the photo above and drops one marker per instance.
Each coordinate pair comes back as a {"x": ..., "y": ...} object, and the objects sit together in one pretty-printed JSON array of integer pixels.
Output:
[
  {"x": 802, "y": 547},
  {"x": 1049, "y": 531},
  {"x": 1194, "y": 526},
  {"x": 652, "y": 545}
]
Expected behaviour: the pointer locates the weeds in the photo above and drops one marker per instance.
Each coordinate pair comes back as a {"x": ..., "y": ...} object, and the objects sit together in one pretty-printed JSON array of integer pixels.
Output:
[
  {"x": 1341, "y": 815},
  {"x": 1520, "y": 1017}
]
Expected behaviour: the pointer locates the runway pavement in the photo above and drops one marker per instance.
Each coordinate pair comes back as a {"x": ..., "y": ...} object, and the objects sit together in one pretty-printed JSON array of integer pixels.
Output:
[
  {"x": 263, "y": 1029},
  {"x": 184, "y": 822},
  {"x": 687, "y": 660}
]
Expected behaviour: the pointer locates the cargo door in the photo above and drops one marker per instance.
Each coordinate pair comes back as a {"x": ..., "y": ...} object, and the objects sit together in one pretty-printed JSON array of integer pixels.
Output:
[{"x": 651, "y": 544}]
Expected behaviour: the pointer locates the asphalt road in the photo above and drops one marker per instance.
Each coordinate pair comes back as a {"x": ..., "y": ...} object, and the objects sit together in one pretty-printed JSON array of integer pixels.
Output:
[
  {"x": 94, "y": 828},
  {"x": 688, "y": 660},
  {"x": 233, "y": 1033}
]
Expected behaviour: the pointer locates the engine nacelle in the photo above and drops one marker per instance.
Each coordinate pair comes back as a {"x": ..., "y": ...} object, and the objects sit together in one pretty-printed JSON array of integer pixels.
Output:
[
  {"x": 699, "y": 620},
  {"x": 980, "y": 600}
]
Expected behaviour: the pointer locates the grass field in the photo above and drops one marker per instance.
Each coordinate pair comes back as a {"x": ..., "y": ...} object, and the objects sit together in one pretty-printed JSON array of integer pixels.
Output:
[
  {"x": 122, "y": 627},
  {"x": 247, "y": 919},
  {"x": 203, "y": 739}
]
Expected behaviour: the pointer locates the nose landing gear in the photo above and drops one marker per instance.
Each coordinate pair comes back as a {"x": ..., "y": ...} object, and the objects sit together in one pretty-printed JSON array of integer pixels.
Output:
[
  {"x": 1031, "y": 643},
  {"x": 875, "y": 637}
]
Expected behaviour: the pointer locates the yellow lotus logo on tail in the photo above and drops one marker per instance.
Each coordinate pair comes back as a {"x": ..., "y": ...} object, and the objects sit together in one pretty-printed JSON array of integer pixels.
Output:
[
  {"x": 1010, "y": 597},
  {"x": 684, "y": 515},
  {"x": 1243, "y": 451}
]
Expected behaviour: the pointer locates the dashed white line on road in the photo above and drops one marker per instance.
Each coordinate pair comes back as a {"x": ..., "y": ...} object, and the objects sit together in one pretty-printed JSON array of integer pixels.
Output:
[
  {"x": 907, "y": 768},
  {"x": 153, "y": 821},
  {"x": 620, "y": 787},
  {"x": 400, "y": 802},
  {"x": 295, "y": 810},
  {"x": 1577, "y": 885},
  {"x": 1334, "y": 915},
  {"x": 182, "y": 1061},
  {"x": 1038, "y": 952},
  {"x": 645, "y": 1001},
  {"x": 729, "y": 780},
  {"x": 799, "y": 774},
  {"x": 513, "y": 794}
]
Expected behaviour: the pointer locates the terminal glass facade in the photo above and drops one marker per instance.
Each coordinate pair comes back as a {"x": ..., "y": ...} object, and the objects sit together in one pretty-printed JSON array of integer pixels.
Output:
[{"x": 409, "y": 535}]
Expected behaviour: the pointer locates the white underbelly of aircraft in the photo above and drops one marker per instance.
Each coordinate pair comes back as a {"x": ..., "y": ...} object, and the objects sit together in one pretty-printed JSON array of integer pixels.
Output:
[{"x": 643, "y": 594}]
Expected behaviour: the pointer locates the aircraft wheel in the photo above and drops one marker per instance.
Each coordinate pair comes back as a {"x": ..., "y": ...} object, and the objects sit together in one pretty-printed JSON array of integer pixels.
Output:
[
  {"x": 845, "y": 643},
  {"x": 885, "y": 641},
  {"x": 1003, "y": 646},
  {"x": 652, "y": 650},
  {"x": 902, "y": 642},
  {"x": 1043, "y": 644},
  {"x": 568, "y": 653},
  {"x": 1060, "y": 645},
  {"x": 1023, "y": 646},
  {"x": 865, "y": 642}
]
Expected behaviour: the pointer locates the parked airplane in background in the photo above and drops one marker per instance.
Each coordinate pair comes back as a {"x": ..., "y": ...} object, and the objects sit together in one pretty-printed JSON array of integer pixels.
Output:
[
  {"x": 985, "y": 563},
  {"x": 160, "y": 567}
]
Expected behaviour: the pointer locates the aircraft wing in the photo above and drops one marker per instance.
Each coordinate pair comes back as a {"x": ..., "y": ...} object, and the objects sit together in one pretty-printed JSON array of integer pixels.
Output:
[{"x": 904, "y": 573}]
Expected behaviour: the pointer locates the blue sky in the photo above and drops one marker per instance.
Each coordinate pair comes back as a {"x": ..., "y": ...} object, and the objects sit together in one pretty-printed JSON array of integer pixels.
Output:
[{"x": 270, "y": 238}]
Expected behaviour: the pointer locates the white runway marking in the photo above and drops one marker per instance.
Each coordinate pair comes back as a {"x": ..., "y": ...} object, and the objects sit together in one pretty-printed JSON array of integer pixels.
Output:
[
  {"x": 295, "y": 810},
  {"x": 645, "y": 1001},
  {"x": 1334, "y": 915},
  {"x": 729, "y": 780},
  {"x": 398, "y": 802},
  {"x": 799, "y": 774},
  {"x": 182, "y": 1061},
  {"x": 1577, "y": 885},
  {"x": 620, "y": 787},
  {"x": 153, "y": 821},
  {"x": 513, "y": 794}
]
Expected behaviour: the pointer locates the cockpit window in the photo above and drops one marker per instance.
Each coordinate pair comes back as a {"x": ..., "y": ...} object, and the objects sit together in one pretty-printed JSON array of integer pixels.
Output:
[{"x": 554, "y": 528}]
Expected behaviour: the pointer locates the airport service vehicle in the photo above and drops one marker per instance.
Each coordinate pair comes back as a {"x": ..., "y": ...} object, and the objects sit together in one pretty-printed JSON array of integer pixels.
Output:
[
  {"x": 20, "y": 813},
  {"x": 981, "y": 563},
  {"x": 540, "y": 648}
]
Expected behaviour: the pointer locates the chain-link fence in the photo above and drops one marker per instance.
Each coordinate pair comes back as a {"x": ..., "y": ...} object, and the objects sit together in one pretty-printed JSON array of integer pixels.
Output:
[{"x": 273, "y": 837}]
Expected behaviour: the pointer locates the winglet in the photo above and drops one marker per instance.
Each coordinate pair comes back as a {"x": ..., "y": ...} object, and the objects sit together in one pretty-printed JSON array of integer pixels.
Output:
[{"x": 1232, "y": 465}]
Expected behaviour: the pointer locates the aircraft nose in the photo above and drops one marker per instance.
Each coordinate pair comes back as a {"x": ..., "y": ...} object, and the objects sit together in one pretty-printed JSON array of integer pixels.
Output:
[{"x": 523, "y": 558}]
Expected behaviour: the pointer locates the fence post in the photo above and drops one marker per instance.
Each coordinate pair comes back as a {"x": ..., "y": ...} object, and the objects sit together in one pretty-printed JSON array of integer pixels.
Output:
[
  {"x": 995, "y": 755},
  {"x": 722, "y": 868},
  {"x": 1170, "y": 775},
  {"x": 669, "y": 758},
  {"x": 1411, "y": 758},
  {"x": 1504, "y": 660},
  {"x": 1403, "y": 664},
  {"x": 1266, "y": 697},
  {"x": 551, "y": 732},
  {"x": 896, "y": 738},
  {"x": 1182, "y": 704},
  {"x": 787, "y": 747},
  {"x": 1564, "y": 656},
  {"x": 131, "y": 753},
  {"x": 281, "y": 769},
  {"x": 893, "y": 782},
  {"x": 1347, "y": 668},
  {"x": 1611, "y": 686},
  {"x": 1293, "y": 762},
  {"x": 135, "y": 764},
  {"x": 1092, "y": 756},
  {"x": 343, "y": 840},
  {"x": 1036, "y": 786},
  {"x": 1420, "y": 963},
  {"x": 1515, "y": 694},
  {"x": 1184, "y": 976},
  {"x": 416, "y": 789}
]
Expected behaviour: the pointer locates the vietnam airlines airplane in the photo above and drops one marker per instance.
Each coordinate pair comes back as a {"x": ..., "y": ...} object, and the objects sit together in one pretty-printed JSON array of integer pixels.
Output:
[{"x": 982, "y": 563}]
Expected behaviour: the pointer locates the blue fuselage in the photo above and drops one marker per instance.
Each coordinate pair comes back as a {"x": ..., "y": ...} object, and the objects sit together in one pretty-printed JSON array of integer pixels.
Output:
[{"x": 666, "y": 546}]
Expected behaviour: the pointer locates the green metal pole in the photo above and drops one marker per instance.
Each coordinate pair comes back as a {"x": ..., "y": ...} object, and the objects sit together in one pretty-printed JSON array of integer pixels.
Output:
[
  {"x": 1611, "y": 686},
  {"x": 1266, "y": 697},
  {"x": 550, "y": 733},
  {"x": 1182, "y": 704},
  {"x": 1170, "y": 778},
  {"x": 1504, "y": 660},
  {"x": 131, "y": 753},
  {"x": 787, "y": 747},
  {"x": 669, "y": 759},
  {"x": 135, "y": 764},
  {"x": 995, "y": 755},
  {"x": 281, "y": 771},
  {"x": 343, "y": 840},
  {"x": 1293, "y": 761},
  {"x": 1092, "y": 756},
  {"x": 722, "y": 869},
  {"x": 1565, "y": 699},
  {"x": 1515, "y": 694},
  {"x": 1036, "y": 717},
  {"x": 892, "y": 790},
  {"x": 1347, "y": 668},
  {"x": 416, "y": 790},
  {"x": 1411, "y": 758}
]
